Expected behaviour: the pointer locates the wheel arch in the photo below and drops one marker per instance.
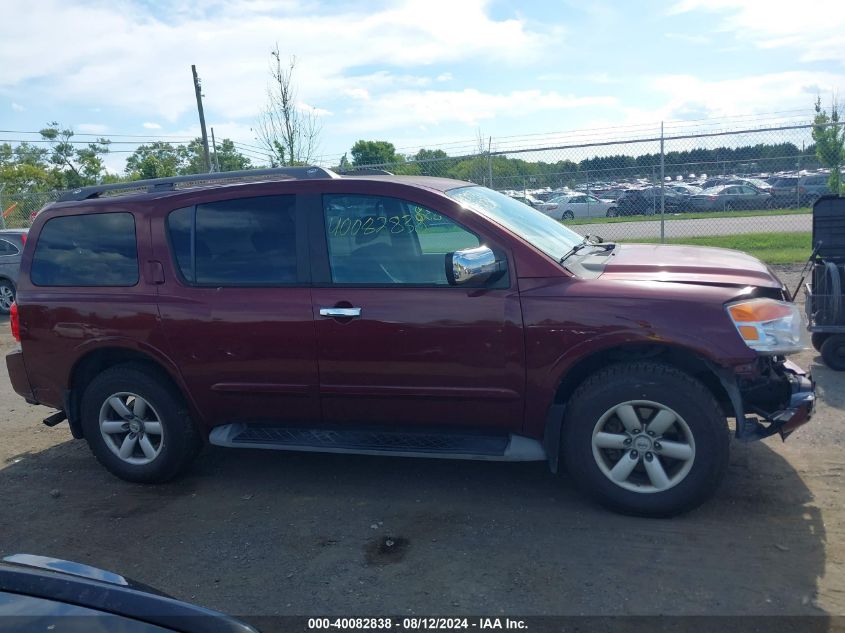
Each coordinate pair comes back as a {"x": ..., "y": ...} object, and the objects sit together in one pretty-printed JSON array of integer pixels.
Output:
[
  {"x": 679, "y": 357},
  {"x": 95, "y": 361}
]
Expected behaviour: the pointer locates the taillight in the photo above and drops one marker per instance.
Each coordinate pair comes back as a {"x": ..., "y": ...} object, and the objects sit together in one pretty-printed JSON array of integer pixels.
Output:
[
  {"x": 23, "y": 239},
  {"x": 14, "y": 322}
]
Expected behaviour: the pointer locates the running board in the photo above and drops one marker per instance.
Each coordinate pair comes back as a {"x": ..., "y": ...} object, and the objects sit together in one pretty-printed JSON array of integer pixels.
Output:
[{"x": 512, "y": 448}]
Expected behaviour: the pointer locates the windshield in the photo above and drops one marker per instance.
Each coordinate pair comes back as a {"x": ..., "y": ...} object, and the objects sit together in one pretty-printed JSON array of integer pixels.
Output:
[{"x": 541, "y": 231}]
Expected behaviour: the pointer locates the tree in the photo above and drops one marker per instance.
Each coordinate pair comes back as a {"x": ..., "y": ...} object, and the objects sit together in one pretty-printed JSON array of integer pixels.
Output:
[
  {"x": 23, "y": 168},
  {"x": 74, "y": 166},
  {"x": 154, "y": 160},
  {"x": 373, "y": 153},
  {"x": 829, "y": 136},
  {"x": 289, "y": 131},
  {"x": 161, "y": 160},
  {"x": 228, "y": 158}
]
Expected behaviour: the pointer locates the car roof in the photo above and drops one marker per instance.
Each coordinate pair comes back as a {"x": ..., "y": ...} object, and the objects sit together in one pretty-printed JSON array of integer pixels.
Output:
[{"x": 424, "y": 182}]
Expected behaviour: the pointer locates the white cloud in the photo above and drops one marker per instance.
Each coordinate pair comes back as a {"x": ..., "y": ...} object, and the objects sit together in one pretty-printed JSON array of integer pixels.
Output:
[
  {"x": 468, "y": 107},
  {"x": 91, "y": 128},
  {"x": 17, "y": 107},
  {"x": 357, "y": 93},
  {"x": 230, "y": 44},
  {"x": 151, "y": 126},
  {"x": 690, "y": 97},
  {"x": 444, "y": 77},
  {"x": 690, "y": 38},
  {"x": 813, "y": 28}
]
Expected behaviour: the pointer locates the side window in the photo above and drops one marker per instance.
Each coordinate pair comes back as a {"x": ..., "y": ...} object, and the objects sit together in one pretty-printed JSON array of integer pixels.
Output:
[
  {"x": 242, "y": 242},
  {"x": 87, "y": 250},
  {"x": 378, "y": 240},
  {"x": 7, "y": 248}
]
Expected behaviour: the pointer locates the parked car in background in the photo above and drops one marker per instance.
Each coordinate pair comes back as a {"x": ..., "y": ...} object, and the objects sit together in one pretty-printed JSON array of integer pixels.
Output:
[
  {"x": 684, "y": 189},
  {"x": 784, "y": 191},
  {"x": 646, "y": 201},
  {"x": 579, "y": 205},
  {"x": 11, "y": 245},
  {"x": 757, "y": 183},
  {"x": 531, "y": 201},
  {"x": 812, "y": 187},
  {"x": 731, "y": 198}
]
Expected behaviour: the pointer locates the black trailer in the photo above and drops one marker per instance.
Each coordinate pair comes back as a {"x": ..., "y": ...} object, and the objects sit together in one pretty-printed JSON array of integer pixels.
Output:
[{"x": 825, "y": 298}]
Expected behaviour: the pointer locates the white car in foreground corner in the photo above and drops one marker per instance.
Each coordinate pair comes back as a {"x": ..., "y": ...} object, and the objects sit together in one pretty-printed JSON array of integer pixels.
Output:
[{"x": 579, "y": 205}]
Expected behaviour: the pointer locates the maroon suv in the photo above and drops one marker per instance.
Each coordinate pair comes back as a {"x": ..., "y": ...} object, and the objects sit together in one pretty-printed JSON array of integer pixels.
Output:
[{"x": 397, "y": 316}]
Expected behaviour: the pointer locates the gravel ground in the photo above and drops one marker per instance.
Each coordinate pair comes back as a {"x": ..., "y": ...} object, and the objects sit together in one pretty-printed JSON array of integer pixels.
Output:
[{"x": 252, "y": 533}]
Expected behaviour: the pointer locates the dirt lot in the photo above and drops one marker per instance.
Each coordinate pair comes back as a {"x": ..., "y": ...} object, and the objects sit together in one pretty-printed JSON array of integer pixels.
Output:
[{"x": 276, "y": 533}]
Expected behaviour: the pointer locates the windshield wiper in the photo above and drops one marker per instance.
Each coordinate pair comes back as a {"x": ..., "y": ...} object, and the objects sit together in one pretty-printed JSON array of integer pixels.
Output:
[{"x": 607, "y": 246}]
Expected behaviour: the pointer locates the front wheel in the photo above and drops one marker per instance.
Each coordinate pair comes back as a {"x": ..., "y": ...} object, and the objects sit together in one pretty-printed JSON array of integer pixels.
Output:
[
  {"x": 611, "y": 212},
  {"x": 137, "y": 425},
  {"x": 568, "y": 215},
  {"x": 645, "y": 439}
]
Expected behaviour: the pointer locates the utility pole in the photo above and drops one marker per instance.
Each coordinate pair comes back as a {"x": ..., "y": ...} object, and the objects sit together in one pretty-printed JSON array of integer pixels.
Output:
[
  {"x": 214, "y": 151},
  {"x": 662, "y": 188},
  {"x": 198, "y": 91}
]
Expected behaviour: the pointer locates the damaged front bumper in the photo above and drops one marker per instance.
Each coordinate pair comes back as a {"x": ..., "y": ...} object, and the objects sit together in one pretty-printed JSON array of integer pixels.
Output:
[{"x": 780, "y": 395}]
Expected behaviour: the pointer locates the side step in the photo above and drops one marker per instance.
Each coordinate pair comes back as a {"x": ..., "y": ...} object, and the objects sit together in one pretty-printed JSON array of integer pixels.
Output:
[{"x": 449, "y": 445}]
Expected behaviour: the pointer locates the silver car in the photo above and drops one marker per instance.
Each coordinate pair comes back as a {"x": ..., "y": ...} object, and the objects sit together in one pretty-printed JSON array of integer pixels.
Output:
[
  {"x": 730, "y": 198},
  {"x": 11, "y": 246}
]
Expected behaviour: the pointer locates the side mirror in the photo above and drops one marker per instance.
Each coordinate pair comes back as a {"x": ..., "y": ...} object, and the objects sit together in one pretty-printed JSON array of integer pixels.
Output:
[{"x": 472, "y": 265}]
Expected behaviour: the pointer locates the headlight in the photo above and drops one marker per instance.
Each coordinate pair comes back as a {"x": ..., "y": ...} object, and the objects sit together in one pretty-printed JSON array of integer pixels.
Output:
[{"x": 769, "y": 326}]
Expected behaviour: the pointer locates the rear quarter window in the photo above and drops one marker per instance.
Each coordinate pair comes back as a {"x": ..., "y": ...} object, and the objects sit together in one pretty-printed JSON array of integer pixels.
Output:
[{"x": 86, "y": 250}]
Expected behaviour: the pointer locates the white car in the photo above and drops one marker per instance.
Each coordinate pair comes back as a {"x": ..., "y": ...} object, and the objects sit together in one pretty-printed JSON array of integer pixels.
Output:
[{"x": 580, "y": 205}]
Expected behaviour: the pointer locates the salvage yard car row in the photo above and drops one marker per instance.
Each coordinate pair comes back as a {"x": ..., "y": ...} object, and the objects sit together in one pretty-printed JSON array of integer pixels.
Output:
[{"x": 640, "y": 197}]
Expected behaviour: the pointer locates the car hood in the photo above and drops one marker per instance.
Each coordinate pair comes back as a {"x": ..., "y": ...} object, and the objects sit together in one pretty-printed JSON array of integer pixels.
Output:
[{"x": 688, "y": 264}]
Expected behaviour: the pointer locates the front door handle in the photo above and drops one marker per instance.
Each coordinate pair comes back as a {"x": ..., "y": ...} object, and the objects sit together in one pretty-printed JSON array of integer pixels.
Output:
[{"x": 340, "y": 312}]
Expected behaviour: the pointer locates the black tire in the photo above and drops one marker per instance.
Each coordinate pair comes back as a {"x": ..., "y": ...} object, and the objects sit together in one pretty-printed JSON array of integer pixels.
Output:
[
  {"x": 833, "y": 352},
  {"x": 730, "y": 206},
  {"x": 611, "y": 212},
  {"x": 818, "y": 339},
  {"x": 664, "y": 385},
  {"x": 7, "y": 295},
  {"x": 180, "y": 440},
  {"x": 568, "y": 215}
]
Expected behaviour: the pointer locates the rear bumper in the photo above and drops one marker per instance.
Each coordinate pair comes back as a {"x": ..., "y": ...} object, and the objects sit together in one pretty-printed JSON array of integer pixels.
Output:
[{"x": 18, "y": 376}]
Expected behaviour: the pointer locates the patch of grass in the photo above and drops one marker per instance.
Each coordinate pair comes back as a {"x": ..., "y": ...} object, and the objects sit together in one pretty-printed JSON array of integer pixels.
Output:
[
  {"x": 772, "y": 248},
  {"x": 690, "y": 216}
]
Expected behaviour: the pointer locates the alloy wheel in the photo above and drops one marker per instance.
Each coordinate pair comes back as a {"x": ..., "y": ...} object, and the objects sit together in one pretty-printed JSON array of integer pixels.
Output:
[{"x": 643, "y": 446}]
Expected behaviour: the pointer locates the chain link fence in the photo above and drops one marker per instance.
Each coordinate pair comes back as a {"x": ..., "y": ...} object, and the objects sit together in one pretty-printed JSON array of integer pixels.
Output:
[
  {"x": 682, "y": 181},
  {"x": 678, "y": 182},
  {"x": 19, "y": 208}
]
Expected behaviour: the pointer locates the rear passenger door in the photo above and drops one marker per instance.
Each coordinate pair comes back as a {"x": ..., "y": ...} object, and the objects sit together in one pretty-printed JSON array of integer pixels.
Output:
[{"x": 236, "y": 308}]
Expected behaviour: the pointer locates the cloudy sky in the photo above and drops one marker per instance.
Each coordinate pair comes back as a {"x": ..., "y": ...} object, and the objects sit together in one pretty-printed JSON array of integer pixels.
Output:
[{"x": 414, "y": 72}]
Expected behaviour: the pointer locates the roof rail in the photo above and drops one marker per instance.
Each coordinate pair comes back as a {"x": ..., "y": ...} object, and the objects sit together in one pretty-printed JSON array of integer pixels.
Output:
[
  {"x": 169, "y": 183},
  {"x": 366, "y": 171}
]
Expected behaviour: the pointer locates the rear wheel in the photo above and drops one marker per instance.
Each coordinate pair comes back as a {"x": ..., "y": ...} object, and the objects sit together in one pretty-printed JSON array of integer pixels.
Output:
[
  {"x": 611, "y": 212},
  {"x": 645, "y": 439},
  {"x": 833, "y": 352},
  {"x": 7, "y": 295},
  {"x": 137, "y": 425}
]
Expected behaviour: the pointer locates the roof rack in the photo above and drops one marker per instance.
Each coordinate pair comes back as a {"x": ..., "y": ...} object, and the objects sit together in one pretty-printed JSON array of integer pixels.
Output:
[
  {"x": 169, "y": 183},
  {"x": 366, "y": 171}
]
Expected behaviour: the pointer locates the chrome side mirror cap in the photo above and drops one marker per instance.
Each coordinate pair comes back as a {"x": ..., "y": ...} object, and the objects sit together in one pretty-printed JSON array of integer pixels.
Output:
[{"x": 472, "y": 265}]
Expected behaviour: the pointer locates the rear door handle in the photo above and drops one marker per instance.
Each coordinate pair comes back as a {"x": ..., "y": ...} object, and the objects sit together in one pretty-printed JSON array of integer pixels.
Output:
[{"x": 340, "y": 312}]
